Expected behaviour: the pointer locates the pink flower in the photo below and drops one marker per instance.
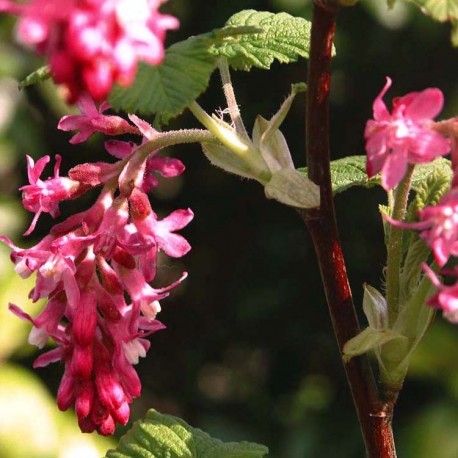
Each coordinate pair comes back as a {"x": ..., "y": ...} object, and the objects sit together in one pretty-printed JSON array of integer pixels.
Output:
[
  {"x": 92, "y": 120},
  {"x": 446, "y": 298},
  {"x": 44, "y": 196},
  {"x": 405, "y": 136},
  {"x": 164, "y": 166},
  {"x": 439, "y": 226},
  {"x": 93, "y": 44}
]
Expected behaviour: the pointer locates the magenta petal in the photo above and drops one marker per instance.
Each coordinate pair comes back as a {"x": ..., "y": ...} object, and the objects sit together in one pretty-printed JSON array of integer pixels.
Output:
[
  {"x": 144, "y": 127},
  {"x": 131, "y": 382},
  {"x": 71, "y": 288},
  {"x": 184, "y": 275},
  {"x": 84, "y": 399},
  {"x": 80, "y": 137},
  {"x": 69, "y": 122},
  {"x": 109, "y": 390},
  {"x": 33, "y": 223},
  {"x": 34, "y": 170},
  {"x": 431, "y": 275},
  {"x": 380, "y": 111},
  {"x": 152, "y": 326},
  {"x": 87, "y": 105},
  {"x": 166, "y": 166},
  {"x": 440, "y": 251},
  {"x": 376, "y": 152},
  {"x": 82, "y": 362},
  {"x": 426, "y": 105},
  {"x": 394, "y": 168},
  {"x": 421, "y": 225},
  {"x": 174, "y": 245},
  {"x": 66, "y": 391},
  {"x": 448, "y": 300},
  {"x": 177, "y": 219},
  {"x": 19, "y": 312},
  {"x": 85, "y": 319},
  {"x": 427, "y": 145},
  {"x": 118, "y": 148},
  {"x": 49, "y": 357},
  {"x": 121, "y": 415}
]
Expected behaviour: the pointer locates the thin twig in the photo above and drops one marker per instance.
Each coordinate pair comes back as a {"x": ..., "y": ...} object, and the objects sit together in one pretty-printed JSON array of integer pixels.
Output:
[{"x": 374, "y": 414}]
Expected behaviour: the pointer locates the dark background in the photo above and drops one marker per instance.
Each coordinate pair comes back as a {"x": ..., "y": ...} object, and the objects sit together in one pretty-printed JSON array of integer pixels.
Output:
[{"x": 249, "y": 353}]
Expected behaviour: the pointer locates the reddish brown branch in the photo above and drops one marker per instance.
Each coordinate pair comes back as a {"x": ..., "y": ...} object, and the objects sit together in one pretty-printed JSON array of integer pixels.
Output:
[{"x": 374, "y": 414}]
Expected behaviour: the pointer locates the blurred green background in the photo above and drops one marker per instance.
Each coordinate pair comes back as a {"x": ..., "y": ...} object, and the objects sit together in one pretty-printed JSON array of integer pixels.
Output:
[{"x": 249, "y": 352}]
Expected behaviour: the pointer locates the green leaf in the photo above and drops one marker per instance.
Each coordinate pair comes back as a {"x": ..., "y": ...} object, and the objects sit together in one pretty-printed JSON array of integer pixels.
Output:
[
  {"x": 351, "y": 171},
  {"x": 412, "y": 322},
  {"x": 282, "y": 37},
  {"x": 41, "y": 74},
  {"x": 166, "y": 89},
  {"x": 369, "y": 339},
  {"x": 161, "y": 436},
  {"x": 348, "y": 172},
  {"x": 417, "y": 253},
  {"x": 442, "y": 10},
  {"x": 440, "y": 167}
]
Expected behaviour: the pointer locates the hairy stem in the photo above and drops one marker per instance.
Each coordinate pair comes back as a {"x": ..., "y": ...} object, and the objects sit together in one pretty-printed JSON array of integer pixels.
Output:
[
  {"x": 394, "y": 248},
  {"x": 228, "y": 89},
  {"x": 374, "y": 414},
  {"x": 174, "y": 137}
]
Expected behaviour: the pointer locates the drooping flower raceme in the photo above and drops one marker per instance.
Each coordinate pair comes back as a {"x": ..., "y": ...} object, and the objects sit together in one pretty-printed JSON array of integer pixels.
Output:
[
  {"x": 405, "y": 136},
  {"x": 91, "y": 44},
  {"x": 95, "y": 270}
]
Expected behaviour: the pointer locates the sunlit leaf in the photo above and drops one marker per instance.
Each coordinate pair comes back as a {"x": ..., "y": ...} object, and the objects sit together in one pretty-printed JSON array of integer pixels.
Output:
[
  {"x": 282, "y": 37},
  {"x": 160, "y": 436}
]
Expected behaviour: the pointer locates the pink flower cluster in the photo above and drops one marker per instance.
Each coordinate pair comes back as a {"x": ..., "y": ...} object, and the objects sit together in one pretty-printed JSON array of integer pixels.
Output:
[
  {"x": 439, "y": 226},
  {"x": 404, "y": 136},
  {"x": 95, "y": 270},
  {"x": 409, "y": 135},
  {"x": 92, "y": 44}
]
